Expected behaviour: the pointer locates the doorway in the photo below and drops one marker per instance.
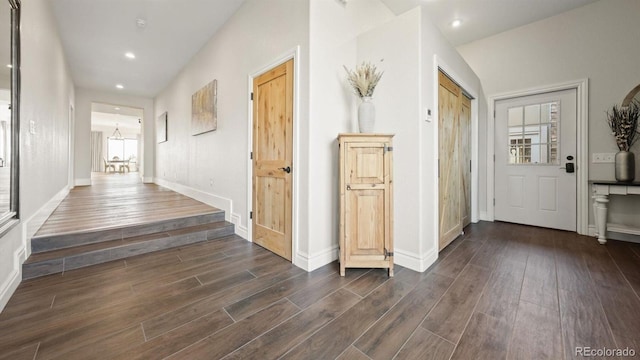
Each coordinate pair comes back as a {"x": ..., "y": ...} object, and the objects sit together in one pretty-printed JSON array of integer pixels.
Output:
[
  {"x": 535, "y": 144},
  {"x": 272, "y": 154}
]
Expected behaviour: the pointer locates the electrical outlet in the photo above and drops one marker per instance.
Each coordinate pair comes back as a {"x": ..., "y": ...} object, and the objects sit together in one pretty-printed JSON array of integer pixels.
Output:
[
  {"x": 32, "y": 127},
  {"x": 603, "y": 158}
]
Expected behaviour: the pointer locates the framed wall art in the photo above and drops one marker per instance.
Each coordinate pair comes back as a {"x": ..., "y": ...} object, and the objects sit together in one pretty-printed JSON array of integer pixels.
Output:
[
  {"x": 161, "y": 127},
  {"x": 204, "y": 109}
]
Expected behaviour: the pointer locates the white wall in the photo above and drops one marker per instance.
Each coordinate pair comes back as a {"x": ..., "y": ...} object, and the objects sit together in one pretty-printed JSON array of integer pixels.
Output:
[
  {"x": 46, "y": 94},
  {"x": 84, "y": 99},
  {"x": 397, "y": 101},
  {"x": 334, "y": 31},
  {"x": 213, "y": 166},
  {"x": 595, "y": 42}
]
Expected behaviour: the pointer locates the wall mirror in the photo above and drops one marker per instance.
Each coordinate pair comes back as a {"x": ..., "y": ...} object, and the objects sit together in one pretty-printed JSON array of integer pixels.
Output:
[
  {"x": 634, "y": 94},
  {"x": 9, "y": 109}
]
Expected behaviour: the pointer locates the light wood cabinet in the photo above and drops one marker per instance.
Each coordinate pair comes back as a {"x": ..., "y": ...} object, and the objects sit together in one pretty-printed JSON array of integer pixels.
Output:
[{"x": 366, "y": 201}]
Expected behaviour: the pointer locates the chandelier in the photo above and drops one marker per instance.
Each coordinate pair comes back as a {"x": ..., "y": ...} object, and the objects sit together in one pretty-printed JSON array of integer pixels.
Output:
[{"x": 116, "y": 133}]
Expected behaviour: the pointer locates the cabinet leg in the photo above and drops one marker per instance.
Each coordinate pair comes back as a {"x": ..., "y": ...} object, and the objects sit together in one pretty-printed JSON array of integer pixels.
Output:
[
  {"x": 390, "y": 272},
  {"x": 602, "y": 202},
  {"x": 341, "y": 270}
]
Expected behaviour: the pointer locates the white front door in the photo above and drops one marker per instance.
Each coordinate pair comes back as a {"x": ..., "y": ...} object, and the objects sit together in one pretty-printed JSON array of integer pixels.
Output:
[{"x": 535, "y": 148}]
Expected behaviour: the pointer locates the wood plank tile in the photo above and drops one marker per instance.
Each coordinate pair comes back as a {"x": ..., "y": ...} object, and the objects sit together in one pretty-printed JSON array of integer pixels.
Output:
[
  {"x": 536, "y": 334},
  {"x": 177, "y": 339},
  {"x": 249, "y": 305},
  {"x": 424, "y": 345},
  {"x": 167, "y": 321},
  {"x": 484, "y": 338},
  {"x": 93, "y": 308},
  {"x": 71, "y": 348},
  {"x": 540, "y": 284},
  {"x": 324, "y": 344},
  {"x": 352, "y": 353},
  {"x": 234, "y": 336},
  {"x": 450, "y": 316},
  {"x": 502, "y": 293},
  {"x": 290, "y": 333},
  {"x": 368, "y": 282},
  {"x": 387, "y": 335},
  {"x": 584, "y": 323},
  {"x": 627, "y": 261},
  {"x": 307, "y": 297},
  {"x": 28, "y": 352},
  {"x": 622, "y": 310},
  {"x": 455, "y": 262}
]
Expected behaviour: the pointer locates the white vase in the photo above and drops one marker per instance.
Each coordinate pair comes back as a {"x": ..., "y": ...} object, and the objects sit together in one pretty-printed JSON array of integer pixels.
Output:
[{"x": 366, "y": 115}]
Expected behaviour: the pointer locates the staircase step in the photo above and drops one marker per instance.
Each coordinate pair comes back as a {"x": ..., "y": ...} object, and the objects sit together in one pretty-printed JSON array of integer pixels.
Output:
[
  {"x": 64, "y": 259},
  {"x": 44, "y": 243}
]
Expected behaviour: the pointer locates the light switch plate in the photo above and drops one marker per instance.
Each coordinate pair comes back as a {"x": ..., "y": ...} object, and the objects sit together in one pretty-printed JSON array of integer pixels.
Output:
[{"x": 603, "y": 158}]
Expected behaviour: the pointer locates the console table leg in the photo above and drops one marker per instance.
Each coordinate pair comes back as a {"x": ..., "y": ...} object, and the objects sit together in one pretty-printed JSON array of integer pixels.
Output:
[{"x": 601, "y": 217}]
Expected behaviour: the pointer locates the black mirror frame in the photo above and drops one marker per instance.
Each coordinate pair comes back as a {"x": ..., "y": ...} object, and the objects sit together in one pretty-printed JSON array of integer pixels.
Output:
[{"x": 15, "y": 110}]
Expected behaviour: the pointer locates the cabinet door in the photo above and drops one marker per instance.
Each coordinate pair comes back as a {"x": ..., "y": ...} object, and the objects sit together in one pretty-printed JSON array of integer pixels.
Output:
[
  {"x": 365, "y": 163},
  {"x": 366, "y": 224}
]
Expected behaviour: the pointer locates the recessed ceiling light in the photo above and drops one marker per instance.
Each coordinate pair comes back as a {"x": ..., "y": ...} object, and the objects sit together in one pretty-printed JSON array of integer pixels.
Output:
[
  {"x": 141, "y": 23},
  {"x": 130, "y": 55},
  {"x": 120, "y": 86},
  {"x": 9, "y": 66},
  {"x": 455, "y": 23},
  {"x": 116, "y": 108}
]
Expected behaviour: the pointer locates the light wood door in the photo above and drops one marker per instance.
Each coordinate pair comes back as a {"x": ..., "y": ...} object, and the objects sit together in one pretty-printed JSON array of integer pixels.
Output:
[
  {"x": 273, "y": 159},
  {"x": 454, "y": 120}
]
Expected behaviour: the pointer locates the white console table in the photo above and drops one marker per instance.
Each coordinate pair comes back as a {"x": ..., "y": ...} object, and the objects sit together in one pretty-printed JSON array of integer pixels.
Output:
[{"x": 601, "y": 191}]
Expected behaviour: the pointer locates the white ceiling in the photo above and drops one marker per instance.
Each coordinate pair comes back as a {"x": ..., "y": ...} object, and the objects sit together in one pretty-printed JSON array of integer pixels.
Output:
[
  {"x": 97, "y": 33},
  {"x": 483, "y": 18},
  {"x": 113, "y": 115}
]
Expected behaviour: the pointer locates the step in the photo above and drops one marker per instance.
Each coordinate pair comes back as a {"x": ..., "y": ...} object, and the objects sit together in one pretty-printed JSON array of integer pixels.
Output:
[
  {"x": 59, "y": 260},
  {"x": 42, "y": 243}
]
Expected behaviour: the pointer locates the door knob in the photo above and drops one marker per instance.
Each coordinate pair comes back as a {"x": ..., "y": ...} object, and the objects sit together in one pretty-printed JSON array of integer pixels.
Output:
[{"x": 286, "y": 169}]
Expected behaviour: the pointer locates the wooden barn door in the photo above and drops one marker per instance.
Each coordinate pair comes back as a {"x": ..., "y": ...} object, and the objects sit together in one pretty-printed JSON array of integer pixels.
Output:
[{"x": 454, "y": 160}]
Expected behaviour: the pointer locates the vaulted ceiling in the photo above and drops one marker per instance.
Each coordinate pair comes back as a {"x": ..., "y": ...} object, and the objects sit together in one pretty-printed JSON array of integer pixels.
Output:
[{"x": 165, "y": 34}]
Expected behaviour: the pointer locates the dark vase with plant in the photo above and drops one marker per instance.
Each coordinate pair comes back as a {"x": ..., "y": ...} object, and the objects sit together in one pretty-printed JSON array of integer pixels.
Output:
[{"x": 623, "y": 121}]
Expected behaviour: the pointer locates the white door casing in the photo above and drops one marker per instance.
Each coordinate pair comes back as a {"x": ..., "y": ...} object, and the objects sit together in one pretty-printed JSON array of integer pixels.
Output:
[{"x": 532, "y": 185}]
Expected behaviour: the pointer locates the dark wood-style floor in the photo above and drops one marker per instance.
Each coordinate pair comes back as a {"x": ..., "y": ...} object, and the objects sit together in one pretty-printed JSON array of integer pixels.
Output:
[{"x": 500, "y": 291}]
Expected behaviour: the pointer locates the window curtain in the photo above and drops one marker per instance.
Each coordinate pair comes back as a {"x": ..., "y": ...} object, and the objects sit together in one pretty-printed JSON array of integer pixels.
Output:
[{"x": 97, "y": 162}]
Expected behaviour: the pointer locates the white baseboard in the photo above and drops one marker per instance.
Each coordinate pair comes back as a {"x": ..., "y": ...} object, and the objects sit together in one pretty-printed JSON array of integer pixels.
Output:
[
  {"x": 216, "y": 201},
  {"x": 312, "y": 262},
  {"x": 413, "y": 262},
  {"x": 240, "y": 230},
  {"x": 33, "y": 224},
  {"x": 83, "y": 182},
  {"x": 484, "y": 216},
  {"x": 11, "y": 283},
  {"x": 147, "y": 180},
  {"x": 616, "y": 236}
]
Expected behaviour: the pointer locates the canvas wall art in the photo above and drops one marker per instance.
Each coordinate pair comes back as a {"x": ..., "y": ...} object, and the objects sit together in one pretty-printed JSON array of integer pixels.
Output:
[
  {"x": 161, "y": 127},
  {"x": 204, "y": 109}
]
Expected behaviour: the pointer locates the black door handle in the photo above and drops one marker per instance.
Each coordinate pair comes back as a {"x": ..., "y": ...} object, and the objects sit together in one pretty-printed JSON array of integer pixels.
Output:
[{"x": 286, "y": 169}]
